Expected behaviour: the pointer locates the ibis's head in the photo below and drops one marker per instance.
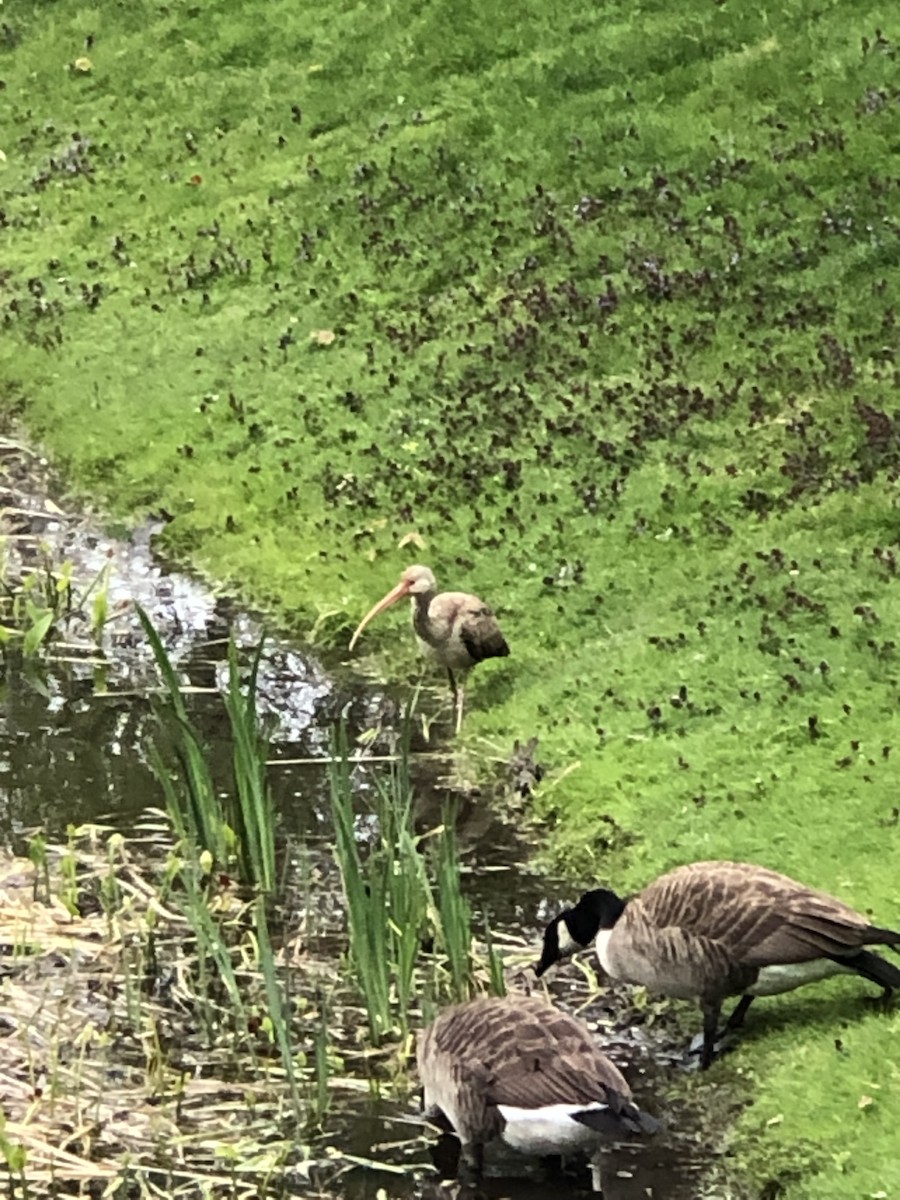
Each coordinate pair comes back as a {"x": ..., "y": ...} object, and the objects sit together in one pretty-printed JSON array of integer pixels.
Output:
[{"x": 415, "y": 581}]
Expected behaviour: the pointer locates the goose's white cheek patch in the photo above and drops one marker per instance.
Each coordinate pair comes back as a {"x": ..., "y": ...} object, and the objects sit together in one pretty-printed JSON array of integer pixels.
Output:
[
  {"x": 567, "y": 944},
  {"x": 601, "y": 945}
]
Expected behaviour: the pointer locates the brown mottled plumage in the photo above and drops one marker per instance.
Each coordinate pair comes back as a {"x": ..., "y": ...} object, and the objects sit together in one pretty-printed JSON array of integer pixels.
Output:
[
  {"x": 716, "y": 929},
  {"x": 456, "y": 629},
  {"x": 518, "y": 1069}
]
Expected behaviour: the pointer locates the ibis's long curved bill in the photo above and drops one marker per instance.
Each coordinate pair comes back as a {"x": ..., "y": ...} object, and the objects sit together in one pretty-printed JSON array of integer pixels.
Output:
[{"x": 395, "y": 594}]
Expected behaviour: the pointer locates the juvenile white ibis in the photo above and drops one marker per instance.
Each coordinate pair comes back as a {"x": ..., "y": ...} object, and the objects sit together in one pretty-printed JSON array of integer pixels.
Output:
[{"x": 455, "y": 629}]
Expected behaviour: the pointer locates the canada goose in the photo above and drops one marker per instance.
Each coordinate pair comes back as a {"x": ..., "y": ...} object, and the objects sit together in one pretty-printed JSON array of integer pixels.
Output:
[
  {"x": 716, "y": 929},
  {"x": 456, "y": 629},
  {"x": 518, "y": 1069}
]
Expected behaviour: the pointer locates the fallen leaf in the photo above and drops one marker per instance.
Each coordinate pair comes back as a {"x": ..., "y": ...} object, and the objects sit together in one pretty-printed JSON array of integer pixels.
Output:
[
  {"x": 322, "y": 337},
  {"x": 775, "y": 1120},
  {"x": 83, "y": 65},
  {"x": 865, "y": 1102},
  {"x": 412, "y": 539}
]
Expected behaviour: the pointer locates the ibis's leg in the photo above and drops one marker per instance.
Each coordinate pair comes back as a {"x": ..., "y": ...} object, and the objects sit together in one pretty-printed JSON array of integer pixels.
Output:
[
  {"x": 457, "y": 693},
  {"x": 460, "y": 699},
  {"x": 459, "y": 710}
]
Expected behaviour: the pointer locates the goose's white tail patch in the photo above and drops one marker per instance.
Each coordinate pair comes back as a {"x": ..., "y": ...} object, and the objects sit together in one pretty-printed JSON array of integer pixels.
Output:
[
  {"x": 785, "y": 977},
  {"x": 548, "y": 1130}
]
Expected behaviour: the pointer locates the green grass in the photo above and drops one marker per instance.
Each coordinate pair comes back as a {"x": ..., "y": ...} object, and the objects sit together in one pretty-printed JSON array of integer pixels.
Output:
[{"x": 613, "y": 292}]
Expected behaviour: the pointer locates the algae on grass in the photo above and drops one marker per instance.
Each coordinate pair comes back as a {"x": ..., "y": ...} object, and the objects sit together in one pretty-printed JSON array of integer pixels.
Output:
[{"x": 612, "y": 293}]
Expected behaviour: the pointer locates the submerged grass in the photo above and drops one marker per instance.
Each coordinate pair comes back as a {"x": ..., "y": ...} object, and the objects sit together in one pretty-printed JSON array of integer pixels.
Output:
[
  {"x": 35, "y": 605},
  {"x": 600, "y": 304}
]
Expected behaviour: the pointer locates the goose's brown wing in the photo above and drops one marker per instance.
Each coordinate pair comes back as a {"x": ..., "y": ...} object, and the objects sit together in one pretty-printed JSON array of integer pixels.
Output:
[
  {"x": 544, "y": 1056},
  {"x": 676, "y": 960},
  {"x": 452, "y": 1069},
  {"x": 810, "y": 926},
  {"x": 757, "y": 916},
  {"x": 523, "y": 1052}
]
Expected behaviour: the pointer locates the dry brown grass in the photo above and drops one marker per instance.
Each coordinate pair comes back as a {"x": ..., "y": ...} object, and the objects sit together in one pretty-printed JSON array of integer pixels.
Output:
[{"x": 102, "y": 1075}]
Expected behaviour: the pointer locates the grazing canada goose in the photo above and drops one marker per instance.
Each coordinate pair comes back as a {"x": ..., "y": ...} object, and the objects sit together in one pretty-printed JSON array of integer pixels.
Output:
[
  {"x": 518, "y": 1069},
  {"x": 455, "y": 629},
  {"x": 716, "y": 929}
]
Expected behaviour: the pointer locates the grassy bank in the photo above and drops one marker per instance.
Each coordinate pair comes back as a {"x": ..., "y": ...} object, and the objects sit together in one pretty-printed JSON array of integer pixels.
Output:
[{"x": 599, "y": 302}]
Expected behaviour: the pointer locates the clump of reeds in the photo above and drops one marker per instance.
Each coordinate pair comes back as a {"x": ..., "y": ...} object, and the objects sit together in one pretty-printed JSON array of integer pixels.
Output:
[
  {"x": 410, "y": 927},
  {"x": 236, "y": 827},
  {"x": 220, "y": 832},
  {"x": 387, "y": 892},
  {"x": 34, "y": 603},
  {"x": 409, "y": 923}
]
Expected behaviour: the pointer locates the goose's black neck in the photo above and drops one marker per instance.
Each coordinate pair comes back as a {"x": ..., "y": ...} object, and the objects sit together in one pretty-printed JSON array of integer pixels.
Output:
[{"x": 596, "y": 910}]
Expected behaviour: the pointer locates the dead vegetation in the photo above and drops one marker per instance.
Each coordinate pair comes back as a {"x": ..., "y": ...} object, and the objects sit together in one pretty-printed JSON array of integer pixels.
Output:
[{"x": 94, "y": 997}]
